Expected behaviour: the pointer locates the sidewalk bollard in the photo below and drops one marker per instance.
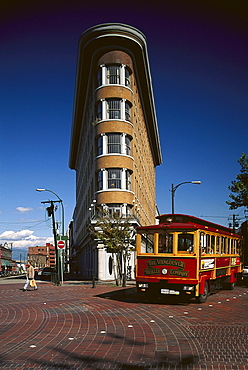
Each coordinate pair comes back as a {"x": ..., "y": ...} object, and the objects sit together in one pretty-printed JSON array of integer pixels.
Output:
[{"x": 93, "y": 281}]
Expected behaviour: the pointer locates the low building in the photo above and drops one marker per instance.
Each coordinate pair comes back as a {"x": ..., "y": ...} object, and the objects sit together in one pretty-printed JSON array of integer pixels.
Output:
[
  {"x": 42, "y": 256},
  {"x": 6, "y": 262}
]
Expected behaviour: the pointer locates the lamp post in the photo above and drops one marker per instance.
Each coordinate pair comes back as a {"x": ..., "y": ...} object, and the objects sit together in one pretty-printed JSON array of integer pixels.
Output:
[
  {"x": 58, "y": 256},
  {"x": 62, "y": 207},
  {"x": 174, "y": 188}
]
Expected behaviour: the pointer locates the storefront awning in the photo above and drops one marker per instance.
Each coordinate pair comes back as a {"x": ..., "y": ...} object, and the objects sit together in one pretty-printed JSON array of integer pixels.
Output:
[{"x": 6, "y": 263}]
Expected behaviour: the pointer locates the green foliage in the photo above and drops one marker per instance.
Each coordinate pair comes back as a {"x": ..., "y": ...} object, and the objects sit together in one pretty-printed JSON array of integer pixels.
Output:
[
  {"x": 115, "y": 233},
  {"x": 239, "y": 187}
]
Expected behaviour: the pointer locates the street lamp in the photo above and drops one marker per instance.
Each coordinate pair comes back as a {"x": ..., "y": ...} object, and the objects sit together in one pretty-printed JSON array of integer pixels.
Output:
[
  {"x": 174, "y": 188},
  {"x": 58, "y": 256}
]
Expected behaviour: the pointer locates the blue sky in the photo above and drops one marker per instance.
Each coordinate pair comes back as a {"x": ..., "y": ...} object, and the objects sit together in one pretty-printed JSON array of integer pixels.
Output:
[{"x": 198, "y": 55}]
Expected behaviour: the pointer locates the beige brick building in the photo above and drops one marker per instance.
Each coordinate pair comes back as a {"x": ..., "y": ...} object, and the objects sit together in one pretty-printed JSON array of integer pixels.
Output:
[
  {"x": 115, "y": 145},
  {"x": 42, "y": 256}
]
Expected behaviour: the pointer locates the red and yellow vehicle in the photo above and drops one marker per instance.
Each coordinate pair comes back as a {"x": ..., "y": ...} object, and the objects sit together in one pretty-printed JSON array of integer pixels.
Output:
[{"x": 186, "y": 256}]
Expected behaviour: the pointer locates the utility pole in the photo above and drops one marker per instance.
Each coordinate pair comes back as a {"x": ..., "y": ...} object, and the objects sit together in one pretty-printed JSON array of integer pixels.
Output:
[
  {"x": 234, "y": 223},
  {"x": 50, "y": 211}
]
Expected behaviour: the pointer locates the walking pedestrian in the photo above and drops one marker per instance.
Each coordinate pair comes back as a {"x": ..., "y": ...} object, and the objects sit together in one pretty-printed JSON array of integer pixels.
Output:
[{"x": 30, "y": 277}]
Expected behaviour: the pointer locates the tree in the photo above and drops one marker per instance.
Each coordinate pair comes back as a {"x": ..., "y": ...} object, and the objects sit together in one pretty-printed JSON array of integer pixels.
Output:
[
  {"x": 240, "y": 187},
  {"x": 115, "y": 234}
]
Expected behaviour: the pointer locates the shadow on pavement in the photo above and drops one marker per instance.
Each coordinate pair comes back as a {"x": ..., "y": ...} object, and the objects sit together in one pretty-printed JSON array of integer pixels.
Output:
[
  {"x": 130, "y": 295},
  {"x": 162, "y": 361}
]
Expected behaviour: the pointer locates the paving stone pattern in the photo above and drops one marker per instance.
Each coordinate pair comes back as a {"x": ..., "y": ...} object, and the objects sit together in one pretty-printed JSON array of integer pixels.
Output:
[{"x": 80, "y": 327}]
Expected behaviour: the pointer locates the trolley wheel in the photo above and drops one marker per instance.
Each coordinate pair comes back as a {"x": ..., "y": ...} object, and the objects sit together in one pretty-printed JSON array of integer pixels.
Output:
[{"x": 203, "y": 297}]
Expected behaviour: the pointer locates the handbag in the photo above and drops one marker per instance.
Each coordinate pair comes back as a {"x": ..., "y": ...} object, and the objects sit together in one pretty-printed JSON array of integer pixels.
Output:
[{"x": 32, "y": 283}]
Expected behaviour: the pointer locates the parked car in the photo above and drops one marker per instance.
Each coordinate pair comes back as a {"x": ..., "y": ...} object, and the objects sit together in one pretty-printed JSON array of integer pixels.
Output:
[
  {"x": 47, "y": 272},
  {"x": 4, "y": 273}
]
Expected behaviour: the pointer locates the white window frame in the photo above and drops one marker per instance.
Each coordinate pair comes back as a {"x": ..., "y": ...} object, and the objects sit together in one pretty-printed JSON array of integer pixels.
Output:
[
  {"x": 123, "y": 179},
  {"x": 124, "y": 81},
  {"x": 104, "y": 116},
  {"x": 125, "y": 149}
]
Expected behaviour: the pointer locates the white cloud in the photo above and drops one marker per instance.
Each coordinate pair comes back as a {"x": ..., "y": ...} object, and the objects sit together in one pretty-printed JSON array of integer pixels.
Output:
[
  {"x": 24, "y": 209},
  {"x": 24, "y": 239},
  {"x": 15, "y": 235}
]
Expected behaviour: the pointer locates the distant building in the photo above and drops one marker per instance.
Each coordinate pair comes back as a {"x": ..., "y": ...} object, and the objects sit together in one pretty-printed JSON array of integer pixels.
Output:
[
  {"x": 115, "y": 145},
  {"x": 6, "y": 262},
  {"x": 42, "y": 256}
]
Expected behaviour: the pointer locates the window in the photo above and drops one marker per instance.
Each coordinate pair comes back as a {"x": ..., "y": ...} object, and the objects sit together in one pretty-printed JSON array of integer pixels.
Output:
[
  {"x": 127, "y": 111},
  {"x": 114, "y": 143},
  {"x": 165, "y": 243},
  {"x": 128, "y": 180},
  {"x": 118, "y": 109},
  {"x": 218, "y": 244},
  {"x": 99, "y": 111},
  {"x": 121, "y": 209},
  {"x": 147, "y": 243},
  {"x": 239, "y": 247},
  {"x": 113, "y": 109},
  {"x": 114, "y": 209},
  {"x": 100, "y": 180},
  {"x": 114, "y": 178},
  {"x": 127, "y": 145},
  {"x": 185, "y": 242},
  {"x": 127, "y": 77},
  {"x": 212, "y": 245},
  {"x": 223, "y": 245},
  {"x": 113, "y": 75},
  {"x": 203, "y": 243},
  {"x": 100, "y": 145}
]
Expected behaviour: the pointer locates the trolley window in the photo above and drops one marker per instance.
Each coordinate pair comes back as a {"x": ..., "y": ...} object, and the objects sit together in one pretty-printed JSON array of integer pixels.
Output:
[
  {"x": 165, "y": 243},
  {"x": 218, "y": 244},
  {"x": 185, "y": 242},
  {"x": 147, "y": 243}
]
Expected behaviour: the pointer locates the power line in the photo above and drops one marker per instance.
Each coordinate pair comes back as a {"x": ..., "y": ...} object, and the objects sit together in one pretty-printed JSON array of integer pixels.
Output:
[
  {"x": 214, "y": 216},
  {"x": 20, "y": 222}
]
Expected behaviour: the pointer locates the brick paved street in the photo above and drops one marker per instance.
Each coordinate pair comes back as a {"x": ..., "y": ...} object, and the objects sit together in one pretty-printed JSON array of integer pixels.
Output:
[{"x": 75, "y": 326}]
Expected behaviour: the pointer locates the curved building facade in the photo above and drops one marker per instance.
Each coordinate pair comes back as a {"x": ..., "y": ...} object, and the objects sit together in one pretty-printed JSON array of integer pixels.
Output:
[{"x": 115, "y": 145}]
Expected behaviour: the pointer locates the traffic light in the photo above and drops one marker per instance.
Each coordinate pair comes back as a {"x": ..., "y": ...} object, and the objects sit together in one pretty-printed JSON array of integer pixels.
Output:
[{"x": 50, "y": 210}]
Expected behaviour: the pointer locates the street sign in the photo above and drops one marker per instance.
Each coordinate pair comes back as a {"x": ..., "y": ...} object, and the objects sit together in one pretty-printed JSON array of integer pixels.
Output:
[
  {"x": 61, "y": 244},
  {"x": 62, "y": 237}
]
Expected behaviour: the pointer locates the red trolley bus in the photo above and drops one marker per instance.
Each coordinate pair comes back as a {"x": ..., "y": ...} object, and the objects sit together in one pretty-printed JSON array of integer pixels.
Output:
[{"x": 186, "y": 256}]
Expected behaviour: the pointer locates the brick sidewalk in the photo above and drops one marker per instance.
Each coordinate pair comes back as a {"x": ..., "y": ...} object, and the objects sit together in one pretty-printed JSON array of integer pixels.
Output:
[{"x": 78, "y": 327}]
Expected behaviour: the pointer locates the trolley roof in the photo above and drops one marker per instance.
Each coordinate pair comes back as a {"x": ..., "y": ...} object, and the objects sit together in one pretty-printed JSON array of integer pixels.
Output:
[{"x": 186, "y": 222}]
